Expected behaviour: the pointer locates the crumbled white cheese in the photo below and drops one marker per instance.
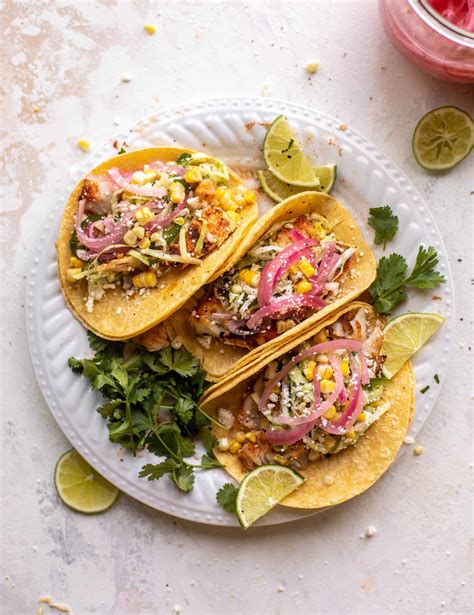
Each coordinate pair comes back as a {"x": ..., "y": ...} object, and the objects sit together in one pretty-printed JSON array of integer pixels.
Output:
[
  {"x": 370, "y": 531},
  {"x": 225, "y": 417}
]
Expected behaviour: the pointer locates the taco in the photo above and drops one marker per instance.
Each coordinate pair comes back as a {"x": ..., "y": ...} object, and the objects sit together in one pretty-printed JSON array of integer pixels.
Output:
[
  {"x": 319, "y": 406},
  {"x": 143, "y": 231},
  {"x": 302, "y": 260}
]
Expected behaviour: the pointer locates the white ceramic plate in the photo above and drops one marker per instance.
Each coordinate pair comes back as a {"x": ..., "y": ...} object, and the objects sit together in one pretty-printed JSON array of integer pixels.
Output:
[{"x": 231, "y": 129}]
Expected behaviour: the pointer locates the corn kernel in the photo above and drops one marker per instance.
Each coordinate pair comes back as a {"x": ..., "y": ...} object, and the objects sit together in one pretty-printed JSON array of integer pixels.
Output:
[
  {"x": 223, "y": 444},
  {"x": 144, "y": 215},
  {"x": 327, "y": 386},
  {"x": 362, "y": 416},
  {"x": 76, "y": 262},
  {"x": 176, "y": 191},
  {"x": 179, "y": 221},
  {"x": 351, "y": 434},
  {"x": 221, "y": 191},
  {"x": 72, "y": 274},
  {"x": 329, "y": 442},
  {"x": 36, "y": 109},
  {"x": 330, "y": 413},
  {"x": 233, "y": 216},
  {"x": 250, "y": 197},
  {"x": 247, "y": 276},
  {"x": 139, "y": 232},
  {"x": 308, "y": 370},
  {"x": 150, "y": 28},
  {"x": 293, "y": 269},
  {"x": 320, "y": 337},
  {"x": 251, "y": 437},
  {"x": 227, "y": 203},
  {"x": 193, "y": 175},
  {"x": 312, "y": 67},
  {"x": 234, "y": 448},
  {"x": 145, "y": 280},
  {"x": 283, "y": 461},
  {"x": 155, "y": 237},
  {"x": 130, "y": 238},
  {"x": 303, "y": 287},
  {"x": 314, "y": 455},
  {"x": 325, "y": 372},
  {"x": 144, "y": 243},
  {"x": 285, "y": 325},
  {"x": 84, "y": 144},
  {"x": 306, "y": 267},
  {"x": 239, "y": 199},
  {"x": 240, "y": 437},
  {"x": 345, "y": 367},
  {"x": 321, "y": 233}
]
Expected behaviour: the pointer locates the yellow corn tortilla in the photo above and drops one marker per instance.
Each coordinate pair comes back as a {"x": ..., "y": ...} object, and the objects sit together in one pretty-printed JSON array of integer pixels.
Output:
[
  {"x": 339, "y": 477},
  {"x": 115, "y": 317},
  {"x": 220, "y": 357}
]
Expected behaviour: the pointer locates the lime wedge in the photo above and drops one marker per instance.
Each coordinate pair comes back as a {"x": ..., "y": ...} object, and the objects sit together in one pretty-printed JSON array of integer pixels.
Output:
[
  {"x": 81, "y": 487},
  {"x": 442, "y": 138},
  {"x": 262, "y": 489},
  {"x": 404, "y": 336},
  {"x": 279, "y": 191},
  {"x": 285, "y": 158}
]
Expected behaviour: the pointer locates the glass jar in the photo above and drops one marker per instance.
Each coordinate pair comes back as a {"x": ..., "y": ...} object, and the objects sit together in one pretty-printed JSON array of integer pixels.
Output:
[{"x": 436, "y": 45}]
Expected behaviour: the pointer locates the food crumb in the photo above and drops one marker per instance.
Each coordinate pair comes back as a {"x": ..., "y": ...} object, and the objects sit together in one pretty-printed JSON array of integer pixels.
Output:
[
  {"x": 176, "y": 609},
  {"x": 266, "y": 89},
  {"x": 84, "y": 145},
  {"x": 312, "y": 67},
  {"x": 370, "y": 531},
  {"x": 150, "y": 28},
  {"x": 36, "y": 109},
  {"x": 126, "y": 77},
  {"x": 328, "y": 480},
  {"x": 418, "y": 450},
  {"x": 409, "y": 440},
  {"x": 343, "y": 126},
  {"x": 280, "y": 588}
]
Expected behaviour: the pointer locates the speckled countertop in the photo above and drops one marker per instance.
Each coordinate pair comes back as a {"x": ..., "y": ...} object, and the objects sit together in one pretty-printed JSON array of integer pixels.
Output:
[{"x": 62, "y": 66}]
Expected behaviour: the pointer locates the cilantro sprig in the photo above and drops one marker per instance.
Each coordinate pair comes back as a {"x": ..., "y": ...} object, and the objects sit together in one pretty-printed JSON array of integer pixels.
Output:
[
  {"x": 389, "y": 289},
  {"x": 152, "y": 405},
  {"x": 385, "y": 224},
  {"x": 227, "y": 497}
]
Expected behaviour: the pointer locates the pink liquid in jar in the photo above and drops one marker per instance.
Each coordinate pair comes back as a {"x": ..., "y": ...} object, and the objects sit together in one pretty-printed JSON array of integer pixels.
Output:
[{"x": 437, "y": 35}]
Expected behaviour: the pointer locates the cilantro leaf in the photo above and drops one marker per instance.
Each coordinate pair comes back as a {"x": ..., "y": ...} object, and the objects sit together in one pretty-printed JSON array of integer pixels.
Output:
[
  {"x": 227, "y": 497},
  {"x": 424, "y": 274},
  {"x": 75, "y": 365},
  {"x": 183, "y": 477},
  {"x": 208, "y": 439},
  {"x": 183, "y": 409},
  {"x": 95, "y": 342},
  {"x": 121, "y": 151},
  {"x": 181, "y": 361},
  {"x": 183, "y": 159},
  {"x": 209, "y": 461},
  {"x": 385, "y": 224},
  {"x": 389, "y": 289},
  {"x": 154, "y": 471}
]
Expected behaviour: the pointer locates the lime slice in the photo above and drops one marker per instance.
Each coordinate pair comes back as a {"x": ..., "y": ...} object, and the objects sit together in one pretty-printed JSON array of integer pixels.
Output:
[
  {"x": 81, "y": 487},
  {"x": 279, "y": 191},
  {"x": 404, "y": 336},
  {"x": 442, "y": 138},
  {"x": 285, "y": 158},
  {"x": 262, "y": 489}
]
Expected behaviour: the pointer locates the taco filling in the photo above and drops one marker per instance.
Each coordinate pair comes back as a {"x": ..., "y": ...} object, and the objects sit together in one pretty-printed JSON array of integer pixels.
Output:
[
  {"x": 313, "y": 401},
  {"x": 293, "y": 271},
  {"x": 132, "y": 227}
]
